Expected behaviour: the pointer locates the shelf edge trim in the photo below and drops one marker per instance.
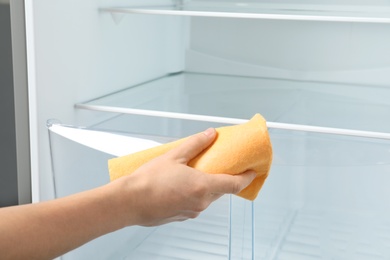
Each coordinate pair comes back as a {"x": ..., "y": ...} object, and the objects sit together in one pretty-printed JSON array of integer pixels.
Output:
[
  {"x": 291, "y": 17},
  {"x": 227, "y": 120}
]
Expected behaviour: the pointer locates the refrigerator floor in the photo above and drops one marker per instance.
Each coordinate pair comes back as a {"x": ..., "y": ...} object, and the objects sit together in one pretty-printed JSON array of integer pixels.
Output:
[
  {"x": 206, "y": 237},
  {"x": 328, "y": 234},
  {"x": 279, "y": 234}
]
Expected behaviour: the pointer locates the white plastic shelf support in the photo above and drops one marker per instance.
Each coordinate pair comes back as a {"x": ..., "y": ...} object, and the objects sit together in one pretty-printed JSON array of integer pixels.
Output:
[{"x": 292, "y": 12}]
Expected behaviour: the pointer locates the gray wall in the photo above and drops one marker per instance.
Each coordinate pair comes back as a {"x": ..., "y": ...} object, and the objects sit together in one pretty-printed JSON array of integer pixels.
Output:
[{"x": 8, "y": 170}]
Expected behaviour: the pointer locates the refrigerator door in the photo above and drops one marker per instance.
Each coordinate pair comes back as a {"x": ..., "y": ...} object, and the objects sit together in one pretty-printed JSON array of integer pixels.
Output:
[
  {"x": 15, "y": 184},
  {"x": 8, "y": 177}
]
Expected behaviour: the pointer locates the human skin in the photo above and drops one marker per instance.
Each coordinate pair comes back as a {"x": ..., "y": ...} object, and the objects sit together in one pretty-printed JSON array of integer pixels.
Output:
[{"x": 161, "y": 191}]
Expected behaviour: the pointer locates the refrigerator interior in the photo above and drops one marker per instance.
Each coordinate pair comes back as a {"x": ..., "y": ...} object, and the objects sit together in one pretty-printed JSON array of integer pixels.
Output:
[{"x": 147, "y": 67}]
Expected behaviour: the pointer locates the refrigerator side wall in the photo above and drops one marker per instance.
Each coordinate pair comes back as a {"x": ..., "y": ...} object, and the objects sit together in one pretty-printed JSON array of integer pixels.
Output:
[{"x": 84, "y": 53}]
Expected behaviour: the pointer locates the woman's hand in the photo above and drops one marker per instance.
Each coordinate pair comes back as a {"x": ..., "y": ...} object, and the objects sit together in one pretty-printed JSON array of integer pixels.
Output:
[{"x": 166, "y": 189}]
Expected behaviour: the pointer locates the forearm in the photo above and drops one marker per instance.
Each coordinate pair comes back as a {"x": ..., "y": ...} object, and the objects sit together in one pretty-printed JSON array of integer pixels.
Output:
[
  {"x": 49, "y": 229},
  {"x": 159, "y": 192}
]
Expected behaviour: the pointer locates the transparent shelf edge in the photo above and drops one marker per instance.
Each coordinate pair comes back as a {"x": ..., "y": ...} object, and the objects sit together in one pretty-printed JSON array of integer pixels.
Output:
[
  {"x": 266, "y": 16},
  {"x": 227, "y": 120}
]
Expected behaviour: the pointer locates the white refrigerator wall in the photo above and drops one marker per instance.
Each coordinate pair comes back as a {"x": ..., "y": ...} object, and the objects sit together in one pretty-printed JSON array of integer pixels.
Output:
[
  {"x": 77, "y": 53},
  {"x": 356, "y": 53}
]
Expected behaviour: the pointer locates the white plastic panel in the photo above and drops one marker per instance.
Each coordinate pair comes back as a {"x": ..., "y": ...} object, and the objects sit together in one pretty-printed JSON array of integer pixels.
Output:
[{"x": 343, "y": 11}]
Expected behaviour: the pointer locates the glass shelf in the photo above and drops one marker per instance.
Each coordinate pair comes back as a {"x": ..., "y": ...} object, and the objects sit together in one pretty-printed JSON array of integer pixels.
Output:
[
  {"x": 342, "y": 11},
  {"x": 294, "y": 105}
]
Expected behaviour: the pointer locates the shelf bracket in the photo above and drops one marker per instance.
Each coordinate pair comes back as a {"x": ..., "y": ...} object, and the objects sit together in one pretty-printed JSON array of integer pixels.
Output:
[{"x": 117, "y": 17}]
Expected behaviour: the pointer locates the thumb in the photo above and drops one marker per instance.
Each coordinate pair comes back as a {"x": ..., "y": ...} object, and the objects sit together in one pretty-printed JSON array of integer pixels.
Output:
[{"x": 194, "y": 145}]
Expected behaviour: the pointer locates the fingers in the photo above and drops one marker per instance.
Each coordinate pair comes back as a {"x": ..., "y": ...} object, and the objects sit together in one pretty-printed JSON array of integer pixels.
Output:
[
  {"x": 194, "y": 145},
  {"x": 230, "y": 184}
]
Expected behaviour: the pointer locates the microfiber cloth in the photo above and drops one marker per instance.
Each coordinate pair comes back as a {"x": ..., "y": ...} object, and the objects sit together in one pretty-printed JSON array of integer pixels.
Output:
[{"x": 235, "y": 150}]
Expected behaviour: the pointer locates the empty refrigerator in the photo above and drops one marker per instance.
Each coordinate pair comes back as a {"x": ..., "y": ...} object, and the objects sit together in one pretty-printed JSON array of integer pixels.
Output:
[{"x": 318, "y": 72}]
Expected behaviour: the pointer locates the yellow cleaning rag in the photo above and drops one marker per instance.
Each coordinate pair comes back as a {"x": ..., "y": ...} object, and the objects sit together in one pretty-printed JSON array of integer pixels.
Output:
[{"x": 235, "y": 150}]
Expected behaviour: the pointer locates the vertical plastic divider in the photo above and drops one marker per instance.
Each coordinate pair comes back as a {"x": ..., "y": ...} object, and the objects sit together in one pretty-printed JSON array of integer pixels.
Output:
[
  {"x": 49, "y": 124},
  {"x": 230, "y": 227},
  {"x": 253, "y": 229}
]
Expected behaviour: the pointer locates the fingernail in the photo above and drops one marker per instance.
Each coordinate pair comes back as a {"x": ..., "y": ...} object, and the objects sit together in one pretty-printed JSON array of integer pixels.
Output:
[{"x": 209, "y": 132}]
